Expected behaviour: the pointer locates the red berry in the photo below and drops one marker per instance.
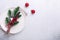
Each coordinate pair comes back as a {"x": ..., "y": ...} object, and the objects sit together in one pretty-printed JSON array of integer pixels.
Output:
[
  {"x": 26, "y": 4},
  {"x": 32, "y": 11}
]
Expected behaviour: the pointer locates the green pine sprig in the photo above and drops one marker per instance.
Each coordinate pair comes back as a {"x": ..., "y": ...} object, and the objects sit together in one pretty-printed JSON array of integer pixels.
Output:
[
  {"x": 16, "y": 11},
  {"x": 7, "y": 20},
  {"x": 9, "y": 13},
  {"x": 16, "y": 23},
  {"x": 19, "y": 16}
]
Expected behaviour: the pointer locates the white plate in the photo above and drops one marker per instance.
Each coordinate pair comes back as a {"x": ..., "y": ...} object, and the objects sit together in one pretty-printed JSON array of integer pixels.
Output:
[{"x": 14, "y": 29}]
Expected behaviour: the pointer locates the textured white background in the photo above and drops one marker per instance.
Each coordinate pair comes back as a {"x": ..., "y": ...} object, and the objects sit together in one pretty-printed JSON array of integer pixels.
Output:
[{"x": 43, "y": 25}]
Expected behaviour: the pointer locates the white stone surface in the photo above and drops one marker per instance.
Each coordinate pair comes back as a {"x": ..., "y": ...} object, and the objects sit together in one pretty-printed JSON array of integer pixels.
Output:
[{"x": 43, "y": 25}]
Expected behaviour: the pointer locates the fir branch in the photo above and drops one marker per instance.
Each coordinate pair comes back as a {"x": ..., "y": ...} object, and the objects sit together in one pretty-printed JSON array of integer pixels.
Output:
[
  {"x": 16, "y": 23},
  {"x": 9, "y": 13},
  {"x": 7, "y": 20},
  {"x": 15, "y": 11},
  {"x": 19, "y": 16}
]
